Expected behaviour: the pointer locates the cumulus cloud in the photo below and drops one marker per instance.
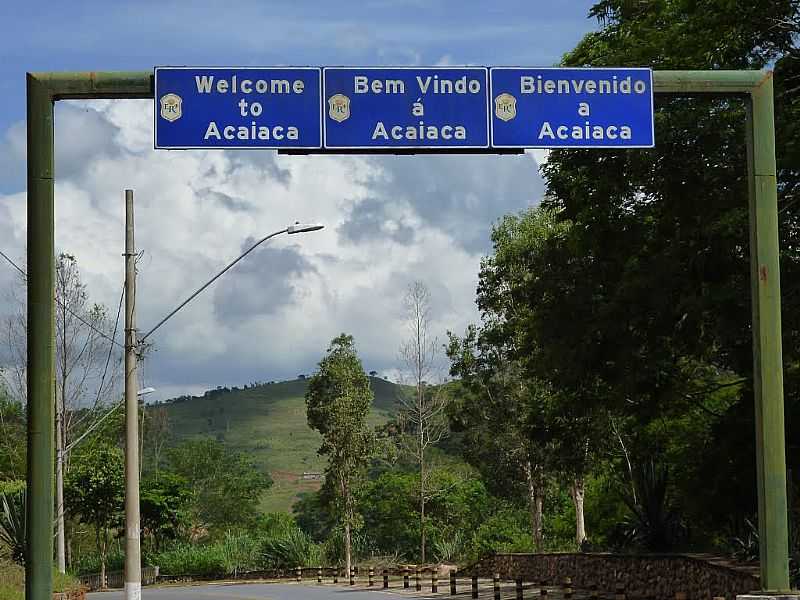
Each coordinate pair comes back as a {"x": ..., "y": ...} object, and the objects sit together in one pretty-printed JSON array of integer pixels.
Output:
[{"x": 389, "y": 221}]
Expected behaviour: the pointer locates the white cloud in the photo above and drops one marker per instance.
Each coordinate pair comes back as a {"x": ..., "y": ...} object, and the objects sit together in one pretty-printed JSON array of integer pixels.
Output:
[{"x": 389, "y": 221}]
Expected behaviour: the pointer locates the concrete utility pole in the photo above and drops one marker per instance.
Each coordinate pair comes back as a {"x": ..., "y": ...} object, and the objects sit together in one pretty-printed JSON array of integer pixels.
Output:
[{"x": 133, "y": 568}]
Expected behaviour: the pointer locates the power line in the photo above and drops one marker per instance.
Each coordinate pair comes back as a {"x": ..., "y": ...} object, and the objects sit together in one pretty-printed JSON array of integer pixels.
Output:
[{"x": 65, "y": 307}]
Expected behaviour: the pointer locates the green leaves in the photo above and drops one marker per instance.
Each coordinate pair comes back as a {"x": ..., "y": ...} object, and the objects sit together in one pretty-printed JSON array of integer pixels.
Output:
[
  {"x": 226, "y": 486},
  {"x": 12, "y": 524},
  {"x": 95, "y": 485}
]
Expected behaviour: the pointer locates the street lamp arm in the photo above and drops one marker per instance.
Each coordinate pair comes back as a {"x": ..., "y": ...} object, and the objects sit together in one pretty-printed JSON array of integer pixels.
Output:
[{"x": 210, "y": 281}]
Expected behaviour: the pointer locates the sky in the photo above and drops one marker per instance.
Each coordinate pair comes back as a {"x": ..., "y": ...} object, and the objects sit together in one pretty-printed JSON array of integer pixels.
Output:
[{"x": 389, "y": 220}]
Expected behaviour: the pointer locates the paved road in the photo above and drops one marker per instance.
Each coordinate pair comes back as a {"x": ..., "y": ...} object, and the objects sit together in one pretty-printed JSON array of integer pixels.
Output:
[{"x": 254, "y": 591}]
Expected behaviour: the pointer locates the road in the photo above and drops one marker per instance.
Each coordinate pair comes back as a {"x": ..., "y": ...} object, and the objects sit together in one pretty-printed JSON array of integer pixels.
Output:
[{"x": 254, "y": 591}]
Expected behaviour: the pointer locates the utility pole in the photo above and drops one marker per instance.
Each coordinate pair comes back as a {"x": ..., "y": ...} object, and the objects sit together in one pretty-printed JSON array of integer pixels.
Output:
[{"x": 133, "y": 570}]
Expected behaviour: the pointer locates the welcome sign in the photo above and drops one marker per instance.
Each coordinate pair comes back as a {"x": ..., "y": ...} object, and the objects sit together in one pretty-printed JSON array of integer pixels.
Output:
[{"x": 429, "y": 109}]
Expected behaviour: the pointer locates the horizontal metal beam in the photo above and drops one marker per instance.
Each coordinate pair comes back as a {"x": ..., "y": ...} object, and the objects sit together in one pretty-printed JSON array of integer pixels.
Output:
[
  {"x": 708, "y": 82},
  {"x": 139, "y": 84},
  {"x": 69, "y": 85}
]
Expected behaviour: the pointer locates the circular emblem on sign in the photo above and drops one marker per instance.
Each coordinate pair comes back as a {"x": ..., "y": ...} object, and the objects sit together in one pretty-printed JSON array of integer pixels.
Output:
[
  {"x": 505, "y": 107},
  {"x": 339, "y": 107},
  {"x": 171, "y": 107}
]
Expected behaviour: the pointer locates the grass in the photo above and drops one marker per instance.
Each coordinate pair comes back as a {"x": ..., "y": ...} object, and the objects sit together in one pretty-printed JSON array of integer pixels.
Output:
[
  {"x": 12, "y": 581},
  {"x": 268, "y": 423}
]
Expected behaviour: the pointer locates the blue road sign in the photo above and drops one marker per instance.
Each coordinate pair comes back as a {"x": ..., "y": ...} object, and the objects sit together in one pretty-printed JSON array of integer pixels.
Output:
[
  {"x": 406, "y": 107},
  {"x": 571, "y": 108},
  {"x": 219, "y": 107}
]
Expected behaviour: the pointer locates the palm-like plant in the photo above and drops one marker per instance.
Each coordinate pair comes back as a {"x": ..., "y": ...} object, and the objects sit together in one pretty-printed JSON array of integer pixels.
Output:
[
  {"x": 12, "y": 524},
  {"x": 653, "y": 524}
]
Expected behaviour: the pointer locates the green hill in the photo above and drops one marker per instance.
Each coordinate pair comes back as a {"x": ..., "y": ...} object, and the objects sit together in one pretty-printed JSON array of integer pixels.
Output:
[{"x": 267, "y": 422}]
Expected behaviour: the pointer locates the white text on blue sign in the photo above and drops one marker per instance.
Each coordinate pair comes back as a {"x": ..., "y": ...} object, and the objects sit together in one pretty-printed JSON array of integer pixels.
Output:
[
  {"x": 425, "y": 107},
  {"x": 572, "y": 108},
  {"x": 238, "y": 108}
]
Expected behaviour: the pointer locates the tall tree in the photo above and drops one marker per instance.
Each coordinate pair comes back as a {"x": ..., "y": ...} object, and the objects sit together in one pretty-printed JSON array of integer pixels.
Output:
[
  {"x": 498, "y": 412},
  {"x": 423, "y": 417},
  {"x": 338, "y": 401},
  {"x": 94, "y": 490}
]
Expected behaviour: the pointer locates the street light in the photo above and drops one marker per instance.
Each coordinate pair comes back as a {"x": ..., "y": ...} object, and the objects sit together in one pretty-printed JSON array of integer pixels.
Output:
[
  {"x": 133, "y": 561},
  {"x": 291, "y": 230}
]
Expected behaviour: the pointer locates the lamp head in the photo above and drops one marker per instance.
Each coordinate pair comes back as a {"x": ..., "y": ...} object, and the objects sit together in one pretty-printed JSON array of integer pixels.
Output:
[{"x": 299, "y": 227}]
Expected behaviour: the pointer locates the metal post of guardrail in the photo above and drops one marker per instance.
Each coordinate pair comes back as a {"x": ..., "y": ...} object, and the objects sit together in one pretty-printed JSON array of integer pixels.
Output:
[
  {"x": 474, "y": 585},
  {"x": 567, "y": 588},
  {"x": 434, "y": 581},
  {"x": 386, "y": 579},
  {"x": 496, "y": 585},
  {"x": 405, "y": 578},
  {"x": 417, "y": 582},
  {"x": 371, "y": 576},
  {"x": 518, "y": 587},
  {"x": 453, "y": 582}
]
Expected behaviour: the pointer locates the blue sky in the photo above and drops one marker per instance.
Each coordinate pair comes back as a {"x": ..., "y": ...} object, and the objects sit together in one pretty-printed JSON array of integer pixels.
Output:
[
  {"x": 95, "y": 36},
  {"x": 390, "y": 220}
]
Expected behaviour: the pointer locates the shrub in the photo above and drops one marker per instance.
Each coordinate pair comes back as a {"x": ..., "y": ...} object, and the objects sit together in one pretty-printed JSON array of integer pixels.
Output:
[
  {"x": 505, "y": 531},
  {"x": 87, "y": 564},
  {"x": 12, "y": 524},
  {"x": 195, "y": 560},
  {"x": 292, "y": 549}
]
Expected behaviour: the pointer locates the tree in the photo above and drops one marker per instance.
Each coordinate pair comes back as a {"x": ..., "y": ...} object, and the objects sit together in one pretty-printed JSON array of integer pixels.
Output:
[
  {"x": 423, "y": 419},
  {"x": 88, "y": 368},
  {"x": 226, "y": 486},
  {"x": 158, "y": 433},
  {"x": 94, "y": 491},
  {"x": 498, "y": 412},
  {"x": 638, "y": 313},
  {"x": 165, "y": 499},
  {"x": 338, "y": 401}
]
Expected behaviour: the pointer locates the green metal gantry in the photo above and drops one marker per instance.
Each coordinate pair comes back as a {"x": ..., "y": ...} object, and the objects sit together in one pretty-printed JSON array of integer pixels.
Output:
[{"x": 44, "y": 89}]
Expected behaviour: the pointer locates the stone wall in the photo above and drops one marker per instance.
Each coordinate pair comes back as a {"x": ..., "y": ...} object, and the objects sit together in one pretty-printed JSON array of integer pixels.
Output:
[{"x": 659, "y": 577}]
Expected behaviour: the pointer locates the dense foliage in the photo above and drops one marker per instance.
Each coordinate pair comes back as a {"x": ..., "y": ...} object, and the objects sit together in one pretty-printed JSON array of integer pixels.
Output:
[{"x": 623, "y": 300}]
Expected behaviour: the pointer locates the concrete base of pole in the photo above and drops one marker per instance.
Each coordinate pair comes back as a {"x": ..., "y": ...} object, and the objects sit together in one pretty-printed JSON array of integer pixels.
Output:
[{"x": 133, "y": 590}]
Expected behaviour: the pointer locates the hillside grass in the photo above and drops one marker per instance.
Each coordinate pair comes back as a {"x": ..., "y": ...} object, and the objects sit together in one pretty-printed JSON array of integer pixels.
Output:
[{"x": 268, "y": 423}]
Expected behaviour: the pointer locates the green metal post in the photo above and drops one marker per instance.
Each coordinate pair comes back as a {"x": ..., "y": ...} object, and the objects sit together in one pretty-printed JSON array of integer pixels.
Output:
[
  {"x": 41, "y": 347},
  {"x": 42, "y": 90},
  {"x": 767, "y": 351}
]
